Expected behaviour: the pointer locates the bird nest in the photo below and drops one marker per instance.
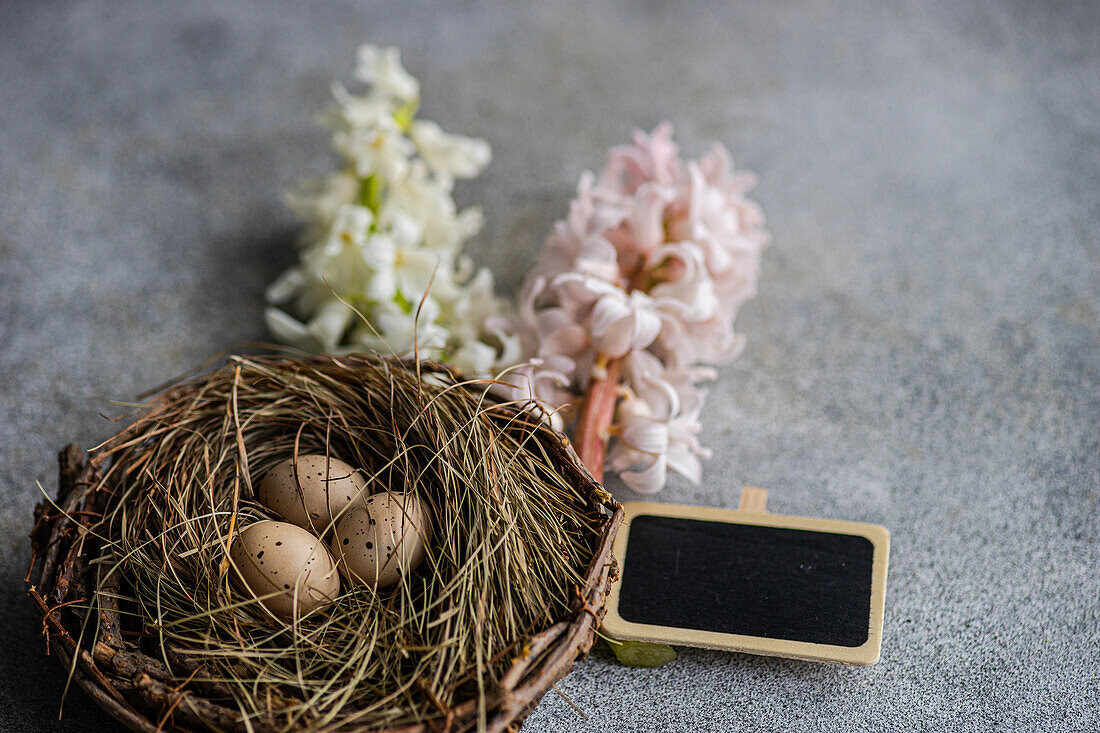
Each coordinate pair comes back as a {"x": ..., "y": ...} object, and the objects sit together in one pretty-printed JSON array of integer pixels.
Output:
[{"x": 136, "y": 594}]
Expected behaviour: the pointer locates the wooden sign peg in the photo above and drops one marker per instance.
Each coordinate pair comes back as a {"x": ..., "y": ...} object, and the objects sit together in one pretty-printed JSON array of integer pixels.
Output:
[{"x": 753, "y": 500}]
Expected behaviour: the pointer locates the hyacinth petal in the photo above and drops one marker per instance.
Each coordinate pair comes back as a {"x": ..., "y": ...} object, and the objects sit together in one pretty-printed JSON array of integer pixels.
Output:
[
  {"x": 285, "y": 287},
  {"x": 621, "y": 457},
  {"x": 532, "y": 383},
  {"x": 660, "y": 396},
  {"x": 597, "y": 257},
  {"x": 647, "y": 325},
  {"x": 405, "y": 230},
  {"x": 474, "y": 357},
  {"x": 647, "y": 217},
  {"x": 615, "y": 341},
  {"x": 613, "y": 328},
  {"x": 329, "y": 324},
  {"x": 559, "y": 364},
  {"x": 574, "y": 290},
  {"x": 548, "y": 320},
  {"x": 381, "y": 285},
  {"x": 379, "y": 252},
  {"x": 532, "y": 289},
  {"x": 457, "y": 156},
  {"x": 609, "y": 312},
  {"x": 642, "y": 365},
  {"x": 646, "y": 436},
  {"x": 416, "y": 268},
  {"x": 381, "y": 67},
  {"x": 686, "y": 464},
  {"x": 362, "y": 112},
  {"x": 650, "y": 480},
  {"x": 620, "y": 324},
  {"x": 511, "y": 345},
  {"x": 568, "y": 340},
  {"x": 288, "y": 329},
  {"x": 468, "y": 222}
]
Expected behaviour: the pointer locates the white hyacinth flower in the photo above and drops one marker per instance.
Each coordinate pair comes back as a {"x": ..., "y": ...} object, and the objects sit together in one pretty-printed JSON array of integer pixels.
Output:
[
  {"x": 381, "y": 69},
  {"x": 380, "y": 266},
  {"x": 453, "y": 156}
]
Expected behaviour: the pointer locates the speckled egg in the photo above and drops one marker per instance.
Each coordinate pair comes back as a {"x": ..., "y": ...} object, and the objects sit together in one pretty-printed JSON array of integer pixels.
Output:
[
  {"x": 322, "y": 488},
  {"x": 384, "y": 538},
  {"x": 278, "y": 557}
]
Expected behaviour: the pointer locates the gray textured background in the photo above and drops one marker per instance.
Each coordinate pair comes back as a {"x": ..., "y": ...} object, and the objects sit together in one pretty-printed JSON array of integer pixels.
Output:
[{"x": 923, "y": 353}]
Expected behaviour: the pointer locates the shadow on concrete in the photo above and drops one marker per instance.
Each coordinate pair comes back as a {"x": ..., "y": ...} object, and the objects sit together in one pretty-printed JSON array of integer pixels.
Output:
[{"x": 32, "y": 683}]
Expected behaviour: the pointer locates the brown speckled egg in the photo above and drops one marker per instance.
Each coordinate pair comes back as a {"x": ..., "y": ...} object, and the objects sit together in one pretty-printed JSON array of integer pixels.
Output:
[
  {"x": 278, "y": 557},
  {"x": 327, "y": 486},
  {"x": 384, "y": 538}
]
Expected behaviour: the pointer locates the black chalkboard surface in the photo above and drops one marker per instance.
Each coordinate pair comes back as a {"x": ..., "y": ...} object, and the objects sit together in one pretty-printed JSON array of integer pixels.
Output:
[
  {"x": 745, "y": 579},
  {"x": 755, "y": 582}
]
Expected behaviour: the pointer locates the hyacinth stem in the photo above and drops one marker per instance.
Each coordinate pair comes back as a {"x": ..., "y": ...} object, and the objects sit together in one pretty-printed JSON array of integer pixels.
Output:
[
  {"x": 591, "y": 443},
  {"x": 596, "y": 416}
]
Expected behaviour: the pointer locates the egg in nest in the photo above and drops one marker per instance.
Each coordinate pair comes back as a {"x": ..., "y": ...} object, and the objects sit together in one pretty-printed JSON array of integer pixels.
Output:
[
  {"x": 286, "y": 567},
  {"x": 311, "y": 492},
  {"x": 385, "y": 537}
]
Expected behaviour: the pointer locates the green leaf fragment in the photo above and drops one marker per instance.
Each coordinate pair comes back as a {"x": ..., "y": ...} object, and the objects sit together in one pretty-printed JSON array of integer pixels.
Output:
[
  {"x": 370, "y": 195},
  {"x": 405, "y": 304},
  {"x": 405, "y": 114},
  {"x": 641, "y": 653}
]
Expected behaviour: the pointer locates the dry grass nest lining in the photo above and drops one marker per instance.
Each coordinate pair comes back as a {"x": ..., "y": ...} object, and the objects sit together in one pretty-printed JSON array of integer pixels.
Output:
[{"x": 136, "y": 587}]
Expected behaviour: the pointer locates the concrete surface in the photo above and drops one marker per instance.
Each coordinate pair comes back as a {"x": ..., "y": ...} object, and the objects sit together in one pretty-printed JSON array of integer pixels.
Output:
[{"x": 923, "y": 354}]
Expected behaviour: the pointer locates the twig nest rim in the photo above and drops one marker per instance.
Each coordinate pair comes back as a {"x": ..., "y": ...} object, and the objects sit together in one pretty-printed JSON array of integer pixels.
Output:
[{"x": 255, "y": 406}]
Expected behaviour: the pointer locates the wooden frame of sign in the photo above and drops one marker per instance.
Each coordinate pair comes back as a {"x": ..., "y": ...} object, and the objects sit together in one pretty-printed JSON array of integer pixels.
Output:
[{"x": 748, "y": 581}]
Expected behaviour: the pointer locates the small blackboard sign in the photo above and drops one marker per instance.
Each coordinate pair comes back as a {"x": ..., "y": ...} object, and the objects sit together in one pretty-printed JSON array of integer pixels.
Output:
[{"x": 750, "y": 581}]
